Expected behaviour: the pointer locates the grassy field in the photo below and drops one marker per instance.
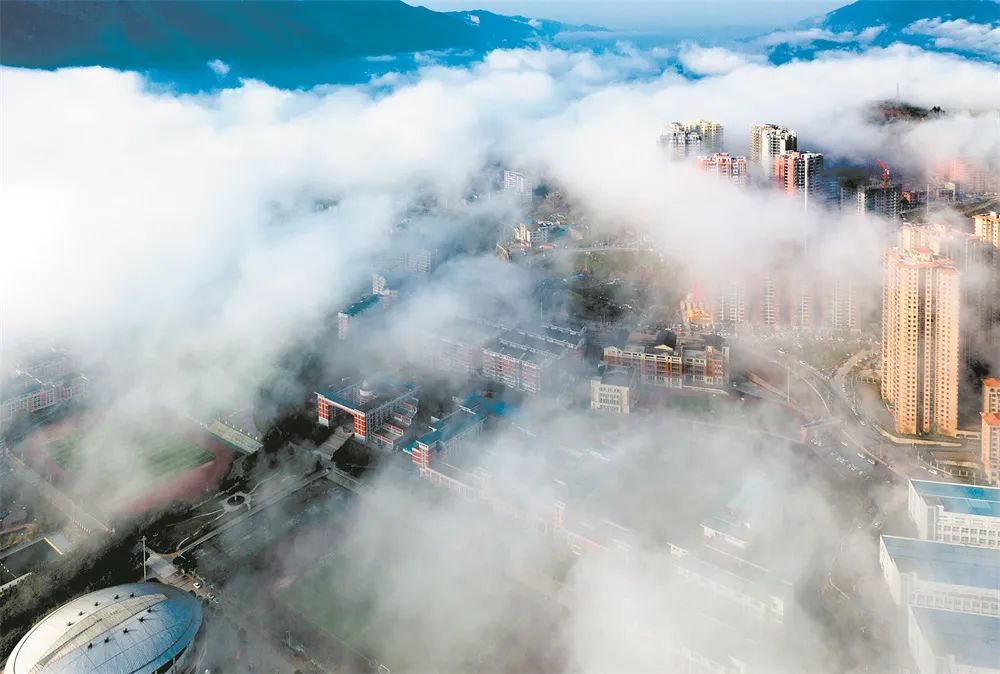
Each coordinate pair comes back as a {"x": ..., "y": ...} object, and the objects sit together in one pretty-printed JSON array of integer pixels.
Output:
[
  {"x": 157, "y": 451},
  {"x": 332, "y": 606}
]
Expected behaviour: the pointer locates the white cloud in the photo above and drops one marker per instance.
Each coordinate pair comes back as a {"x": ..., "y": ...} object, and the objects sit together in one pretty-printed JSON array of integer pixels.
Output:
[
  {"x": 801, "y": 37},
  {"x": 978, "y": 38},
  {"x": 713, "y": 60},
  {"x": 173, "y": 238},
  {"x": 219, "y": 67}
]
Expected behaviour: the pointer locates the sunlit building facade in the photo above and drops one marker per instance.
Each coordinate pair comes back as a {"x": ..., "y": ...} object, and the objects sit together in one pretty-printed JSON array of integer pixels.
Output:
[
  {"x": 921, "y": 306},
  {"x": 767, "y": 141},
  {"x": 725, "y": 166}
]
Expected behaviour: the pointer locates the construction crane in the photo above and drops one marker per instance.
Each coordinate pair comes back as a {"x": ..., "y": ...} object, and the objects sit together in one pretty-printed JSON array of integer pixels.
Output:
[{"x": 885, "y": 172}]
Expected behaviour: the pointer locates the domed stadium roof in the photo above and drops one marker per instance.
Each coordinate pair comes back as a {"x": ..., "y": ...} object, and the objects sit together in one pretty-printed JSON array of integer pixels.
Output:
[{"x": 128, "y": 628}]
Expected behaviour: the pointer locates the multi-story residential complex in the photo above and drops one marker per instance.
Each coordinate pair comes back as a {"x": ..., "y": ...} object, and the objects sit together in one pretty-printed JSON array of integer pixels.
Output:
[
  {"x": 39, "y": 382},
  {"x": 531, "y": 361},
  {"x": 988, "y": 227},
  {"x": 840, "y": 307},
  {"x": 369, "y": 407},
  {"x": 725, "y": 166},
  {"x": 989, "y": 438},
  {"x": 955, "y": 513},
  {"x": 349, "y": 314},
  {"x": 614, "y": 391},
  {"x": 978, "y": 262},
  {"x": 681, "y": 140},
  {"x": 730, "y": 303},
  {"x": 532, "y": 233},
  {"x": 991, "y": 395},
  {"x": 800, "y": 173},
  {"x": 941, "y": 575},
  {"x": 953, "y": 642},
  {"x": 920, "y": 341},
  {"x": 874, "y": 199},
  {"x": 518, "y": 185},
  {"x": 712, "y": 134},
  {"x": 767, "y": 141},
  {"x": 674, "y": 361}
]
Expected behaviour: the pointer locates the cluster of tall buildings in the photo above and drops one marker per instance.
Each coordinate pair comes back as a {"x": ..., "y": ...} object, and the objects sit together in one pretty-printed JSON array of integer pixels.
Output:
[
  {"x": 787, "y": 295},
  {"x": 946, "y": 582},
  {"x": 940, "y": 323},
  {"x": 689, "y": 139}
]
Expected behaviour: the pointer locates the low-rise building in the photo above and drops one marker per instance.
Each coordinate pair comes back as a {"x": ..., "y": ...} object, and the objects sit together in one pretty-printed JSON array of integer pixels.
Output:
[
  {"x": 531, "y": 361},
  {"x": 369, "y": 407},
  {"x": 674, "y": 361},
  {"x": 955, "y": 513},
  {"x": 31, "y": 389},
  {"x": 453, "y": 433},
  {"x": 941, "y": 575},
  {"x": 532, "y": 233},
  {"x": 614, "y": 391},
  {"x": 750, "y": 589},
  {"x": 951, "y": 642}
]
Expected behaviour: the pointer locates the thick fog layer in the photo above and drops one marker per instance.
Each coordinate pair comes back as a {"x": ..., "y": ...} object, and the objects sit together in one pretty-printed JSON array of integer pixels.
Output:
[{"x": 182, "y": 245}]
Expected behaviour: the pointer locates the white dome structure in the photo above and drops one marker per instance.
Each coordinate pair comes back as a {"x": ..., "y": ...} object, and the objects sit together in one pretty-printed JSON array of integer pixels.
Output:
[{"x": 141, "y": 628}]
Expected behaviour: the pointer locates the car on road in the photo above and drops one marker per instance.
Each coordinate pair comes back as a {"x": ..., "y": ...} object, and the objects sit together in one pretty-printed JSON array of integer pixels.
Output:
[
  {"x": 871, "y": 461},
  {"x": 197, "y": 585},
  {"x": 844, "y": 443}
]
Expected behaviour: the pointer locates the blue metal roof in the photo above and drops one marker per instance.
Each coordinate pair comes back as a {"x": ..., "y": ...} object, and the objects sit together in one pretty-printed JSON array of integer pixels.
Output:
[
  {"x": 362, "y": 305},
  {"x": 125, "y": 629},
  {"x": 972, "y": 639},
  {"x": 964, "y": 499},
  {"x": 964, "y": 565}
]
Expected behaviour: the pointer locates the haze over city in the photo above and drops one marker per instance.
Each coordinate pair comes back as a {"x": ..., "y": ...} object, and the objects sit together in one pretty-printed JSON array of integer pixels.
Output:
[{"x": 505, "y": 337}]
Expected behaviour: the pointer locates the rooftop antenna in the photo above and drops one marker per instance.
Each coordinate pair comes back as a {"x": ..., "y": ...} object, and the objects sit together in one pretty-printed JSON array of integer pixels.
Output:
[{"x": 144, "y": 558}]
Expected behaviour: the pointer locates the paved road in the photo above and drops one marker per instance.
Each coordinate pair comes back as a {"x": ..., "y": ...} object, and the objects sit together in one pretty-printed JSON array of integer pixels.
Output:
[
  {"x": 264, "y": 503},
  {"x": 56, "y": 497}
]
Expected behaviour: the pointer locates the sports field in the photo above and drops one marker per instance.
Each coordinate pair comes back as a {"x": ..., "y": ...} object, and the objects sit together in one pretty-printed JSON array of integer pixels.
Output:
[
  {"x": 332, "y": 606},
  {"x": 156, "y": 451}
]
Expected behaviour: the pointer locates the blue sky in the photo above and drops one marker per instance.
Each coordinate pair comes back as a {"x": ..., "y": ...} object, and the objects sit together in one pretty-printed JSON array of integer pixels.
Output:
[{"x": 652, "y": 14}]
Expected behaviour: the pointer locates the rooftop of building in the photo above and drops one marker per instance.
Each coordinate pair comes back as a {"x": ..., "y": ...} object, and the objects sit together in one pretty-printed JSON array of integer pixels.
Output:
[
  {"x": 963, "y": 499},
  {"x": 743, "y": 577},
  {"x": 991, "y": 419},
  {"x": 127, "y": 628},
  {"x": 367, "y": 395},
  {"x": 938, "y": 562},
  {"x": 922, "y": 257},
  {"x": 18, "y": 385},
  {"x": 670, "y": 342},
  {"x": 972, "y": 639},
  {"x": 616, "y": 377},
  {"x": 991, "y": 382},
  {"x": 362, "y": 305}
]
